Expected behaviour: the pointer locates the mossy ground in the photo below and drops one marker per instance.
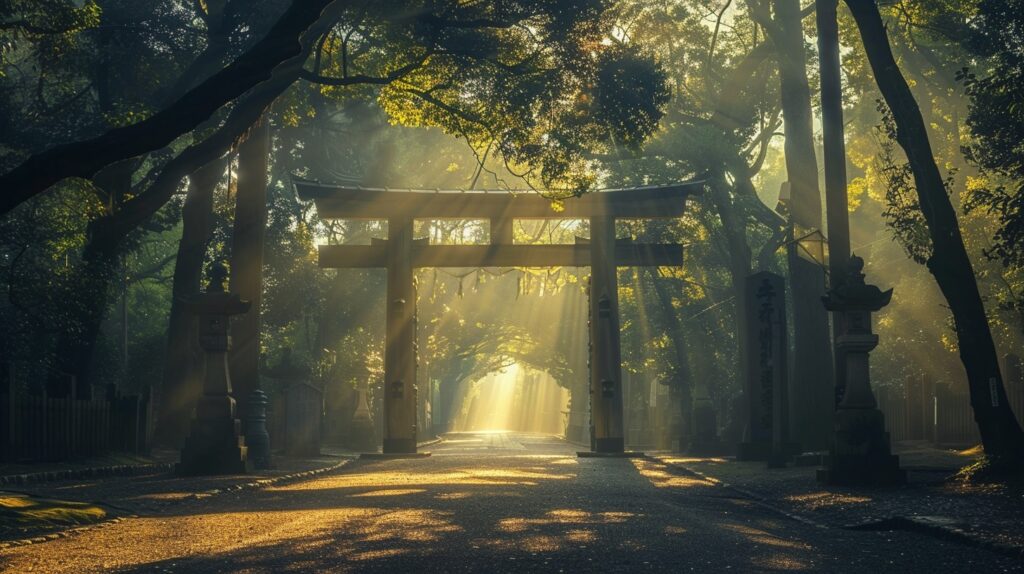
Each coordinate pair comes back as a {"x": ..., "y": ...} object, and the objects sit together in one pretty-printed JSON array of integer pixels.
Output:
[{"x": 25, "y": 513}]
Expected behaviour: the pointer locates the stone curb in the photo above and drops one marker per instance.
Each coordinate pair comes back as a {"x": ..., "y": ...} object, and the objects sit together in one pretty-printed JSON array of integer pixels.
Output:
[
  {"x": 925, "y": 525},
  {"x": 76, "y": 473},
  {"x": 430, "y": 442},
  {"x": 921, "y": 525},
  {"x": 746, "y": 493},
  {"x": 252, "y": 485}
]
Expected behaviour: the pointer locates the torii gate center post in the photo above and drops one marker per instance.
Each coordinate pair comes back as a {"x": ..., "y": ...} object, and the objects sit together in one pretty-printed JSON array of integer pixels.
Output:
[{"x": 400, "y": 254}]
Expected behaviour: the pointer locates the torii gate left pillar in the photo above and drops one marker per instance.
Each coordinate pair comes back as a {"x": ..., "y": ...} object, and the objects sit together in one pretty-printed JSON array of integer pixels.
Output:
[{"x": 400, "y": 342}]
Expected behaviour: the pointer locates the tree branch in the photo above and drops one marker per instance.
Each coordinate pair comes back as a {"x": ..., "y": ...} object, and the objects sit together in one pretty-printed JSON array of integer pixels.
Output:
[{"x": 86, "y": 157}]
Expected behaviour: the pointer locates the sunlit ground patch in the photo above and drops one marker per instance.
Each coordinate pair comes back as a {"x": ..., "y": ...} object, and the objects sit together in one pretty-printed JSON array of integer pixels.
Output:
[
  {"x": 692, "y": 460},
  {"x": 557, "y": 529},
  {"x": 466, "y": 476},
  {"x": 780, "y": 562},
  {"x": 819, "y": 500},
  {"x": 764, "y": 537},
  {"x": 390, "y": 492},
  {"x": 247, "y": 538},
  {"x": 659, "y": 475}
]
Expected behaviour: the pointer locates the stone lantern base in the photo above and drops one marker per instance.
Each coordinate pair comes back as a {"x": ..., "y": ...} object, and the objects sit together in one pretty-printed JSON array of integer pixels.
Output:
[
  {"x": 215, "y": 444},
  {"x": 860, "y": 452}
]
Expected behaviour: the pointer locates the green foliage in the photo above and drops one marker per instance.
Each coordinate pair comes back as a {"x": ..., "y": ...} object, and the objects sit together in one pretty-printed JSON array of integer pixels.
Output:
[{"x": 996, "y": 119}]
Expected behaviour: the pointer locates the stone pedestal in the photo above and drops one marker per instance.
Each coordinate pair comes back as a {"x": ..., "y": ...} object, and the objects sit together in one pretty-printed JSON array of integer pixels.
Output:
[
  {"x": 860, "y": 452},
  {"x": 215, "y": 444}
]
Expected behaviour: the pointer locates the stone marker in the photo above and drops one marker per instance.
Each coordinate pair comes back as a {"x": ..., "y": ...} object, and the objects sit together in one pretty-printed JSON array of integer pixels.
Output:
[
  {"x": 362, "y": 435},
  {"x": 215, "y": 444},
  {"x": 704, "y": 432},
  {"x": 766, "y": 434},
  {"x": 860, "y": 453},
  {"x": 304, "y": 407}
]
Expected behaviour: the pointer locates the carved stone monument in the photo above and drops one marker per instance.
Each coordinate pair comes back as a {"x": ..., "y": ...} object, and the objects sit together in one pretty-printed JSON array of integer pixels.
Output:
[
  {"x": 766, "y": 434},
  {"x": 215, "y": 444},
  {"x": 304, "y": 406},
  {"x": 860, "y": 452}
]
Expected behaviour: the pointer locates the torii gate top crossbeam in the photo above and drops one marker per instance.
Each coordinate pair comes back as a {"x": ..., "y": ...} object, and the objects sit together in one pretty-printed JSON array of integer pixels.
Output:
[{"x": 353, "y": 202}]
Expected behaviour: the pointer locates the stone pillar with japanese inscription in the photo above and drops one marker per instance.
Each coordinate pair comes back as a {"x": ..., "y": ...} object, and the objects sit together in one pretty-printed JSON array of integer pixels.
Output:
[
  {"x": 860, "y": 453},
  {"x": 766, "y": 403}
]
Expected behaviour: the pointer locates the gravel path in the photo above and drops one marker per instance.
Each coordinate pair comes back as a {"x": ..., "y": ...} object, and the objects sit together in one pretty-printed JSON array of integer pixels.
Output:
[{"x": 491, "y": 503}]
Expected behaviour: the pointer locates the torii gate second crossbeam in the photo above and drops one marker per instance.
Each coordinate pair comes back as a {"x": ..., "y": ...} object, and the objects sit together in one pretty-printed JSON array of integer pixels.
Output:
[{"x": 400, "y": 254}]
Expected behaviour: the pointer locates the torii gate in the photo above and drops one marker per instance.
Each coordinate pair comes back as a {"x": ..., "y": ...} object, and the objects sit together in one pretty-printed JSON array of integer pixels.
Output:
[{"x": 400, "y": 254}]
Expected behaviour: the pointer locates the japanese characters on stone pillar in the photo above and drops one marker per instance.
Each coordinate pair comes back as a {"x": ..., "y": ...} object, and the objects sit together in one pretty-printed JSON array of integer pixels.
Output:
[
  {"x": 860, "y": 451},
  {"x": 766, "y": 436},
  {"x": 215, "y": 444}
]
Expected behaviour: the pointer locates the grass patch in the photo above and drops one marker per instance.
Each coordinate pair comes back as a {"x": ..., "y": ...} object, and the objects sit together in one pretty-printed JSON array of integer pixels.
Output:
[{"x": 21, "y": 512}]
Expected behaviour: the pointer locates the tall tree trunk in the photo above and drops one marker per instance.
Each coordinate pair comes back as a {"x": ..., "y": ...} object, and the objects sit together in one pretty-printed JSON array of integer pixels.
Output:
[
  {"x": 949, "y": 263},
  {"x": 812, "y": 380},
  {"x": 740, "y": 254},
  {"x": 684, "y": 384},
  {"x": 183, "y": 363},
  {"x": 247, "y": 258}
]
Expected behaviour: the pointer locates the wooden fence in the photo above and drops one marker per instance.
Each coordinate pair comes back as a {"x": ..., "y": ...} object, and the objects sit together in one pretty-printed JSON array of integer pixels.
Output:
[
  {"x": 942, "y": 413},
  {"x": 37, "y": 427},
  {"x": 42, "y": 428}
]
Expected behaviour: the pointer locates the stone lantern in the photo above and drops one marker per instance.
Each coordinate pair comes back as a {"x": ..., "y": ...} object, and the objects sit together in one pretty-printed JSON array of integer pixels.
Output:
[
  {"x": 860, "y": 452},
  {"x": 215, "y": 444}
]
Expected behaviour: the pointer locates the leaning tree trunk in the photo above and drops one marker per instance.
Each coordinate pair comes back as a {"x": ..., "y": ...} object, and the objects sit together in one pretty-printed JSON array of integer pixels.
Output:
[
  {"x": 182, "y": 382},
  {"x": 949, "y": 262}
]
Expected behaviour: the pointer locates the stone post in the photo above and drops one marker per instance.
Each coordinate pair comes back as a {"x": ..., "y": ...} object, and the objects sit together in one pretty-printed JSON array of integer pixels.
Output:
[
  {"x": 215, "y": 444},
  {"x": 766, "y": 432},
  {"x": 256, "y": 435},
  {"x": 860, "y": 453}
]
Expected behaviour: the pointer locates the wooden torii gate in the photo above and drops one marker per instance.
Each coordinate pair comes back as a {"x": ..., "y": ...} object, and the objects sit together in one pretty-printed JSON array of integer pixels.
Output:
[{"x": 400, "y": 254}]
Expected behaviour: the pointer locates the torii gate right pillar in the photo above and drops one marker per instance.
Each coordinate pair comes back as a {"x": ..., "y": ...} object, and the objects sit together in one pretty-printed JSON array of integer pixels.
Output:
[{"x": 605, "y": 347}]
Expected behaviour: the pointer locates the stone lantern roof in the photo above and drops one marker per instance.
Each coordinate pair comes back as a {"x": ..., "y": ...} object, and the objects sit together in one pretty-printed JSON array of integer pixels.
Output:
[{"x": 854, "y": 294}]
